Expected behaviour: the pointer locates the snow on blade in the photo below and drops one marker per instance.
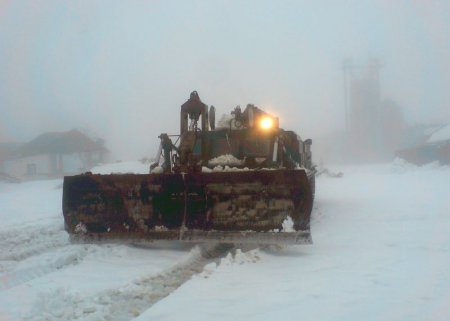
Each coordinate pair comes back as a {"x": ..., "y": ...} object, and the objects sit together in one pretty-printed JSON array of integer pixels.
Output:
[
  {"x": 224, "y": 160},
  {"x": 226, "y": 168},
  {"x": 157, "y": 170},
  {"x": 288, "y": 225}
]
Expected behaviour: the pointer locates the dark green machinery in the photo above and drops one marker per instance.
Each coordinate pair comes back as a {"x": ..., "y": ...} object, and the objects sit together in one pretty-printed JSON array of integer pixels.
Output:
[{"x": 243, "y": 181}]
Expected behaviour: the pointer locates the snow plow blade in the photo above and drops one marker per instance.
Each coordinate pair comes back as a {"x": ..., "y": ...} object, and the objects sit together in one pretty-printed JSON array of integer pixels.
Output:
[{"x": 264, "y": 207}]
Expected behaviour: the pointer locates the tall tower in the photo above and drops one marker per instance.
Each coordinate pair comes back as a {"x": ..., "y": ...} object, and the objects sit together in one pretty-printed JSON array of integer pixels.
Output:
[{"x": 363, "y": 109}]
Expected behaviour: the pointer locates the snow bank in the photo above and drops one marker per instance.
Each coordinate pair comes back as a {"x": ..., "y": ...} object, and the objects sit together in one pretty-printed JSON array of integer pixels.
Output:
[
  {"x": 399, "y": 165},
  {"x": 226, "y": 264}
]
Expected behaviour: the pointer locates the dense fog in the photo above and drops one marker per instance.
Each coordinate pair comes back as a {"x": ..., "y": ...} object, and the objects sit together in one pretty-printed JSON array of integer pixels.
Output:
[{"x": 119, "y": 70}]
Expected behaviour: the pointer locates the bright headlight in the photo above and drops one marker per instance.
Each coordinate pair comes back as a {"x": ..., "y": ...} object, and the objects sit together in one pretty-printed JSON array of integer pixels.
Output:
[{"x": 266, "y": 123}]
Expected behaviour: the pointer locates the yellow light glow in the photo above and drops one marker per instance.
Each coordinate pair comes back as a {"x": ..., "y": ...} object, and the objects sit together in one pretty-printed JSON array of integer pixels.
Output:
[{"x": 266, "y": 123}]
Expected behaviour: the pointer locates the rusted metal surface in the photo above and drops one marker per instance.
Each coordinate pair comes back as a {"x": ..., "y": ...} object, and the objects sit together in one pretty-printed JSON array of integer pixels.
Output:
[
  {"x": 197, "y": 236},
  {"x": 248, "y": 237},
  {"x": 190, "y": 207}
]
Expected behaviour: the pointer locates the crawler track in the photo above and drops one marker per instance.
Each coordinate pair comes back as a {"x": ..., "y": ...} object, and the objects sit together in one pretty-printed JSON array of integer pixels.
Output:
[{"x": 127, "y": 302}]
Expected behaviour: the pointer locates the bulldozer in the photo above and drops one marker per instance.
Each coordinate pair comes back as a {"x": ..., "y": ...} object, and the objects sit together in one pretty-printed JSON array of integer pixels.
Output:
[{"x": 242, "y": 180}]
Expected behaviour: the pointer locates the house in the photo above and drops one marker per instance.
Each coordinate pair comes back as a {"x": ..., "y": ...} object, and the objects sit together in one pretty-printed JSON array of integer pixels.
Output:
[
  {"x": 8, "y": 150},
  {"x": 54, "y": 154},
  {"x": 435, "y": 148}
]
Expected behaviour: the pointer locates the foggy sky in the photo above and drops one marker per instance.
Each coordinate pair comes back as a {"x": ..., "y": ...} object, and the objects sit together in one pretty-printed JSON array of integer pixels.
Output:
[{"x": 121, "y": 69}]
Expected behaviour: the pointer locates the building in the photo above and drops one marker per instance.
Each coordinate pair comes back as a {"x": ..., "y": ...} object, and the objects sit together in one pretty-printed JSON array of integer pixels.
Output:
[
  {"x": 54, "y": 154},
  {"x": 435, "y": 148},
  {"x": 8, "y": 151}
]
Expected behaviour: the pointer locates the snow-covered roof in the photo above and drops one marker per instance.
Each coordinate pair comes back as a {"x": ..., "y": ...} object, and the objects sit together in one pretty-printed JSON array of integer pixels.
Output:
[
  {"x": 440, "y": 135},
  {"x": 60, "y": 142}
]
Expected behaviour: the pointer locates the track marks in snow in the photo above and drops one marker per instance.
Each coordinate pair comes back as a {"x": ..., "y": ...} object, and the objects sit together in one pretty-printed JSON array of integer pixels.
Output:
[
  {"x": 45, "y": 264},
  {"x": 126, "y": 302},
  {"x": 33, "y": 251},
  {"x": 20, "y": 243}
]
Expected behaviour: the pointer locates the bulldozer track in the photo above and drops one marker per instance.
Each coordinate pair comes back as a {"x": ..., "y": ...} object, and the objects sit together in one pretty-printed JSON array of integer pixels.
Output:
[
  {"x": 33, "y": 251},
  {"x": 72, "y": 255},
  {"x": 20, "y": 243},
  {"x": 126, "y": 302}
]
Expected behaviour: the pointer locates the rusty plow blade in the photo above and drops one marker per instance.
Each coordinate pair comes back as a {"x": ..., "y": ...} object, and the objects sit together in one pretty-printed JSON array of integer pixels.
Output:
[{"x": 263, "y": 207}]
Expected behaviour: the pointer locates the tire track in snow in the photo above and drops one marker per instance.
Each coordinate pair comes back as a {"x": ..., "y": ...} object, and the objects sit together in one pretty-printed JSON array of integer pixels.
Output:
[
  {"x": 20, "y": 243},
  {"x": 23, "y": 245},
  {"x": 127, "y": 302},
  {"x": 70, "y": 257}
]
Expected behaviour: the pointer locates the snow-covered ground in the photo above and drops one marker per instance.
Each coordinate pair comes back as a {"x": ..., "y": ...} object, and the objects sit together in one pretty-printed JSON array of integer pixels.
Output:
[{"x": 381, "y": 252}]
